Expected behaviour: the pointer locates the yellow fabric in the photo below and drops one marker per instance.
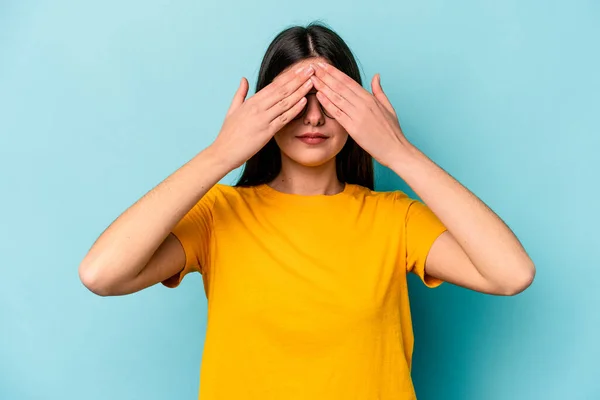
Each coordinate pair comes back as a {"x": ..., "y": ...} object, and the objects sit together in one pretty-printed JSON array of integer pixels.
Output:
[{"x": 307, "y": 295}]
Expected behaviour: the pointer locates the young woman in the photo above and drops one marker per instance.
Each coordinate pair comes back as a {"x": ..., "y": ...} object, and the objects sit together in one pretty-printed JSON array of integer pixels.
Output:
[{"x": 304, "y": 265}]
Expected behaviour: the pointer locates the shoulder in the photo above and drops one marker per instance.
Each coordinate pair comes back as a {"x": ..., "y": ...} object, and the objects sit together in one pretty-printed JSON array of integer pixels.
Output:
[
  {"x": 215, "y": 194},
  {"x": 221, "y": 189},
  {"x": 396, "y": 202},
  {"x": 393, "y": 197},
  {"x": 221, "y": 192}
]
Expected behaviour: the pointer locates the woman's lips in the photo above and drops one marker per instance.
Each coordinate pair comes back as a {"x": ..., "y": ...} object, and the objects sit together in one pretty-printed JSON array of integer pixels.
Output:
[{"x": 312, "y": 138}]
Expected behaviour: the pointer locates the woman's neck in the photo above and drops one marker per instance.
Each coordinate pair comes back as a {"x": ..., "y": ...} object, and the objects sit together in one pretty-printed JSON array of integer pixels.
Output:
[{"x": 299, "y": 179}]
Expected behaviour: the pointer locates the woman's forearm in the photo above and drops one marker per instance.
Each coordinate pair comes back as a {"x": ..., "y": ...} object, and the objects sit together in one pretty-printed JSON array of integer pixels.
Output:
[
  {"x": 488, "y": 242},
  {"x": 124, "y": 248}
]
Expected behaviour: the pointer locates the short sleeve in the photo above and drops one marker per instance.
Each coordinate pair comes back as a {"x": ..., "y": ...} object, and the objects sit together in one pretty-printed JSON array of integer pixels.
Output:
[
  {"x": 422, "y": 228},
  {"x": 194, "y": 232}
]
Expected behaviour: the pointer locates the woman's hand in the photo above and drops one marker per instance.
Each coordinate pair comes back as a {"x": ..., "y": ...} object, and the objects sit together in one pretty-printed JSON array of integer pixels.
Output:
[
  {"x": 370, "y": 119},
  {"x": 250, "y": 124}
]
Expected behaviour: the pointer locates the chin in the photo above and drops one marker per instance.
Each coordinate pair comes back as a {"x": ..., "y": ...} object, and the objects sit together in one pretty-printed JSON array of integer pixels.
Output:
[{"x": 309, "y": 160}]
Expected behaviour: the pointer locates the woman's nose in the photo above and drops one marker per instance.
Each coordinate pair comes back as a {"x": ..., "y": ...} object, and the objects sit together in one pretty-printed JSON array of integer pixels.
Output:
[{"x": 313, "y": 108}]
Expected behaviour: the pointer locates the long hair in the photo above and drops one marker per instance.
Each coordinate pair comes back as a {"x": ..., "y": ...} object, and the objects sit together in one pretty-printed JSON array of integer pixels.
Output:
[{"x": 353, "y": 164}]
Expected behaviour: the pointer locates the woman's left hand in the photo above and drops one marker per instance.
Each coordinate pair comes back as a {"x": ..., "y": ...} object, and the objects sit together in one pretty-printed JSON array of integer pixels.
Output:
[{"x": 370, "y": 119}]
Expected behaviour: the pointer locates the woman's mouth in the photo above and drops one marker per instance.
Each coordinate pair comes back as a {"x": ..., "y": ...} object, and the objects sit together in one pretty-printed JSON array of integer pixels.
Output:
[{"x": 312, "y": 138}]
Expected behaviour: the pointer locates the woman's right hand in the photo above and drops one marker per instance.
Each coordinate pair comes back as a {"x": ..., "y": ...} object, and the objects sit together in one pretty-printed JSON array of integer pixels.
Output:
[{"x": 250, "y": 124}]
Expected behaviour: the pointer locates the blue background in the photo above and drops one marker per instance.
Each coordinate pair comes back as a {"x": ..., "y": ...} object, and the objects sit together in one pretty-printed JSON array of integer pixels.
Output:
[{"x": 101, "y": 100}]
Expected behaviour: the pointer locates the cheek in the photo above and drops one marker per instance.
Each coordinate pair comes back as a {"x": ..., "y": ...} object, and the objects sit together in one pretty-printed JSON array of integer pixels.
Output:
[
  {"x": 341, "y": 140},
  {"x": 288, "y": 131},
  {"x": 284, "y": 136}
]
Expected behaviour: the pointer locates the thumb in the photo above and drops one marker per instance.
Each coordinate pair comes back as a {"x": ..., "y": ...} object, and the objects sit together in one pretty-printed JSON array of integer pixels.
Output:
[
  {"x": 239, "y": 97},
  {"x": 379, "y": 95}
]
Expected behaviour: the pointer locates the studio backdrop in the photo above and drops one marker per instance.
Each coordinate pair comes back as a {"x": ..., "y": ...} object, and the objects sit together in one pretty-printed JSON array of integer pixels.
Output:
[{"x": 102, "y": 100}]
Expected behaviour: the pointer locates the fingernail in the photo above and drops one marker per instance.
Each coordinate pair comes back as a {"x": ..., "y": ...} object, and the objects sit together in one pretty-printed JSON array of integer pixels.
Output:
[
  {"x": 320, "y": 64},
  {"x": 309, "y": 71}
]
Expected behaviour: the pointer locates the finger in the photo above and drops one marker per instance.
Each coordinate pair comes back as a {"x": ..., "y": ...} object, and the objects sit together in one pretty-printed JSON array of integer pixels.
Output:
[
  {"x": 282, "y": 88},
  {"x": 288, "y": 102},
  {"x": 331, "y": 109},
  {"x": 340, "y": 88},
  {"x": 324, "y": 70},
  {"x": 339, "y": 101},
  {"x": 380, "y": 95},
  {"x": 239, "y": 97},
  {"x": 281, "y": 120}
]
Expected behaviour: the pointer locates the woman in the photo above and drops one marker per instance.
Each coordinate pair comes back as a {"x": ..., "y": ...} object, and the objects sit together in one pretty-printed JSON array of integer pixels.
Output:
[{"x": 304, "y": 265}]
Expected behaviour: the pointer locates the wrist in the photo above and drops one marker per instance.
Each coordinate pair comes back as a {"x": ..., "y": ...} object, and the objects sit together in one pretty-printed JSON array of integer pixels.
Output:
[
  {"x": 406, "y": 160},
  {"x": 216, "y": 160},
  {"x": 219, "y": 159}
]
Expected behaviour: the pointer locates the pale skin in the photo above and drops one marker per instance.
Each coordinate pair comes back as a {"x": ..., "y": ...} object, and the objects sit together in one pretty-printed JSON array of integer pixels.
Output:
[{"x": 478, "y": 252}]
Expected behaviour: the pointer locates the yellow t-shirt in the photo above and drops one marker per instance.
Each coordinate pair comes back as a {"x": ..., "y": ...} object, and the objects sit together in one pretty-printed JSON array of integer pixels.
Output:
[{"x": 307, "y": 295}]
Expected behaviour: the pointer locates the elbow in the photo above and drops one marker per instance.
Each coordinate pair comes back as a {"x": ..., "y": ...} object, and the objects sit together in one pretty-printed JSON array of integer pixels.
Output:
[
  {"x": 93, "y": 281},
  {"x": 521, "y": 280}
]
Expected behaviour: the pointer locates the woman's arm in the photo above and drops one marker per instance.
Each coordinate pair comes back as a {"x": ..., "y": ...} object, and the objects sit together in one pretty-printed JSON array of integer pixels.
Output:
[
  {"x": 478, "y": 251},
  {"x": 114, "y": 264},
  {"x": 136, "y": 250}
]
